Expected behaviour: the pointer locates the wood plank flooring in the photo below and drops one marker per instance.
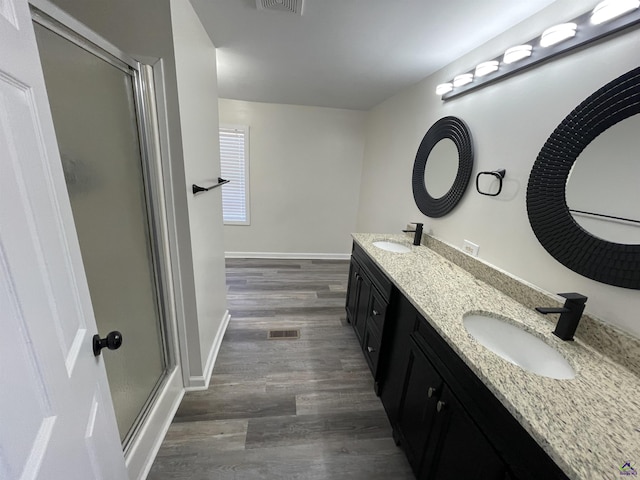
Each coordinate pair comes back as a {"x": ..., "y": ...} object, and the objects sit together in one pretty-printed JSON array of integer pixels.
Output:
[{"x": 284, "y": 409}]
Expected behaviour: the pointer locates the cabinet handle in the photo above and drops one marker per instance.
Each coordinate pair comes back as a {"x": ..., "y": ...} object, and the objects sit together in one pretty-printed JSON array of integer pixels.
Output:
[
  {"x": 431, "y": 392},
  {"x": 376, "y": 313},
  {"x": 440, "y": 405},
  {"x": 371, "y": 349}
]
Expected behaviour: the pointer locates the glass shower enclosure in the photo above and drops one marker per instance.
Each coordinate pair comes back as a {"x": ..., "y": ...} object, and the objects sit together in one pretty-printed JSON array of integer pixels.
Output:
[{"x": 95, "y": 100}]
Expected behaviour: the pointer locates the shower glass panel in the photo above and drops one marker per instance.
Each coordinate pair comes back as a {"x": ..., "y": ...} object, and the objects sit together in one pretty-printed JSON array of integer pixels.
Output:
[{"x": 94, "y": 114}]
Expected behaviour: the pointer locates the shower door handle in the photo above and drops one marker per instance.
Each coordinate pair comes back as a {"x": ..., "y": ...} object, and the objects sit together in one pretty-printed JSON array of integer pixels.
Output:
[{"x": 112, "y": 341}]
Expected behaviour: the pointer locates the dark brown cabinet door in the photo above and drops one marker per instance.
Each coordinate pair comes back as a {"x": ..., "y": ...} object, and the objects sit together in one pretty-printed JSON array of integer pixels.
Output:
[
  {"x": 358, "y": 299},
  {"x": 417, "y": 412},
  {"x": 353, "y": 290},
  {"x": 460, "y": 450},
  {"x": 394, "y": 362},
  {"x": 362, "y": 310}
]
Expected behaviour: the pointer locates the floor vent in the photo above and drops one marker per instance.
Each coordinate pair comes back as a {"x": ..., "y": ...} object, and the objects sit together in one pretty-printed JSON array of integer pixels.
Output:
[
  {"x": 283, "y": 334},
  {"x": 291, "y": 6}
]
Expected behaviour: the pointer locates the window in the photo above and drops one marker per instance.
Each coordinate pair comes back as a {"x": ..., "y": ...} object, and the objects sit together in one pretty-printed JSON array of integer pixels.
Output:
[{"x": 234, "y": 166}]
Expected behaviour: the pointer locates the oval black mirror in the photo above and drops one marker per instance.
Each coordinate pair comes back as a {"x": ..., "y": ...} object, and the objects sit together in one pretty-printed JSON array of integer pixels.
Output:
[{"x": 557, "y": 231}]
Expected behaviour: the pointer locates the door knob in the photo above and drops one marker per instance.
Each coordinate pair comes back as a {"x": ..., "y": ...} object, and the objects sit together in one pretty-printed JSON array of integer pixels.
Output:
[{"x": 112, "y": 341}]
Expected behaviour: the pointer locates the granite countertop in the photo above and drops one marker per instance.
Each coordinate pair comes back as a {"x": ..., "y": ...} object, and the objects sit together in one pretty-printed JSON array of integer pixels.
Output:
[{"x": 589, "y": 425}]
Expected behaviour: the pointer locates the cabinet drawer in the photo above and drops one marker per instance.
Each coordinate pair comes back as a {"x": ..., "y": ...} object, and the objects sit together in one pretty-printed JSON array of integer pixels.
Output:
[
  {"x": 377, "y": 313},
  {"x": 423, "y": 332},
  {"x": 371, "y": 348}
]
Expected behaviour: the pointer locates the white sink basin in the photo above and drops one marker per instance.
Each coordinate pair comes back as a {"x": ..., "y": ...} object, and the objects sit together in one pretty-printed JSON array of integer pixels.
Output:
[
  {"x": 518, "y": 347},
  {"x": 392, "y": 247}
]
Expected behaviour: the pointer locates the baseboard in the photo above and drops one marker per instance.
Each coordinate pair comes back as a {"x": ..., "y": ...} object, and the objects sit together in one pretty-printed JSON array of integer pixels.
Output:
[
  {"x": 144, "y": 449},
  {"x": 201, "y": 382},
  {"x": 289, "y": 256}
]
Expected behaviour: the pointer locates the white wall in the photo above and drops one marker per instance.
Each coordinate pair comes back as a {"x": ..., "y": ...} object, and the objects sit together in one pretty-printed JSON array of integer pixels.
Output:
[
  {"x": 195, "y": 58},
  {"x": 305, "y": 166},
  {"x": 509, "y": 122}
]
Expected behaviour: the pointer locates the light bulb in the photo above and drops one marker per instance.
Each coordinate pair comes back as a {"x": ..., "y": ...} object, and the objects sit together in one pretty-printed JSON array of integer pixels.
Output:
[
  {"x": 557, "y": 34},
  {"x": 516, "y": 53},
  {"x": 460, "y": 80},
  {"x": 444, "y": 88},
  {"x": 610, "y": 9},
  {"x": 485, "y": 68}
]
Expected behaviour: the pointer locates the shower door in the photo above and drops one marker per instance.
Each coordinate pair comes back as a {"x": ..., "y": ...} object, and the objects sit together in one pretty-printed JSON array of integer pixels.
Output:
[{"x": 95, "y": 110}]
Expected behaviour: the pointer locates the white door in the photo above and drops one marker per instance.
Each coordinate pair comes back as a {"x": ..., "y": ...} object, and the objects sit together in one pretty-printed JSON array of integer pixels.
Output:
[{"x": 56, "y": 415}]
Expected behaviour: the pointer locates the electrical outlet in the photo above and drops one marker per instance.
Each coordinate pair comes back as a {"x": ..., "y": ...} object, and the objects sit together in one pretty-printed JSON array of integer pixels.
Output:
[{"x": 470, "y": 248}]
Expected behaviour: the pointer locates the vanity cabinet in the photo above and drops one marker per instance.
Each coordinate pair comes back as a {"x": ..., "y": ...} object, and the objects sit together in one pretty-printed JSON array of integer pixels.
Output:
[
  {"x": 449, "y": 424},
  {"x": 368, "y": 296}
]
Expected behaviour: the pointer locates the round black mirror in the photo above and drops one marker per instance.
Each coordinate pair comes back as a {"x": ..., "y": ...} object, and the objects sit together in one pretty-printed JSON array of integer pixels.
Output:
[
  {"x": 440, "y": 177},
  {"x": 550, "y": 218}
]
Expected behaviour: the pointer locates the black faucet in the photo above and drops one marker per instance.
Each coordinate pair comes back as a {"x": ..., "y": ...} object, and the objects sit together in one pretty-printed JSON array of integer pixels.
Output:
[
  {"x": 570, "y": 314},
  {"x": 417, "y": 238}
]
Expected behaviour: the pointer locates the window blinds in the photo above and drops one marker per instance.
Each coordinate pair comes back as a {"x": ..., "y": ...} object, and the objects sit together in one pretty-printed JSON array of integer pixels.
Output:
[{"x": 234, "y": 166}]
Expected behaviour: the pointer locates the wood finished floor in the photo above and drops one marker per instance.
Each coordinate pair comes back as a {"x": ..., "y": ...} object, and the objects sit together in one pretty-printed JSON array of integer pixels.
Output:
[{"x": 284, "y": 409}]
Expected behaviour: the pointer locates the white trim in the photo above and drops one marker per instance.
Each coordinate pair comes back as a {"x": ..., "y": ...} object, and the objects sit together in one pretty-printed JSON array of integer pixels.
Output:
[
  {"x": 201, "y": 382},
  {"x": 290, "y": 256},
  {"x": 147, "y": 442},
  {"x": 180, "y": 332},
  {"x": 59, "y": 15}
]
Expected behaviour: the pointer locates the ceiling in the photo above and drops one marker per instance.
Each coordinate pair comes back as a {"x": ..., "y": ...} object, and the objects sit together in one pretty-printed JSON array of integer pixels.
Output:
[{"x": 346, "y": 53}]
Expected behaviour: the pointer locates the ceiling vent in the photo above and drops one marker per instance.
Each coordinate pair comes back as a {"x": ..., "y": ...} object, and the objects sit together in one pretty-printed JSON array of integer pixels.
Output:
[{"x": 291, "y": 6}]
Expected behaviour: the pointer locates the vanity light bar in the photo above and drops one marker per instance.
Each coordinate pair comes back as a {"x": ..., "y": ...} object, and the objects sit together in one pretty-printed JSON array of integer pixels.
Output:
[{"x": 608, "y": 17}]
